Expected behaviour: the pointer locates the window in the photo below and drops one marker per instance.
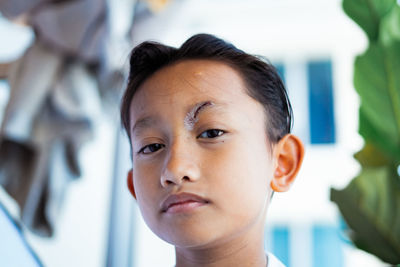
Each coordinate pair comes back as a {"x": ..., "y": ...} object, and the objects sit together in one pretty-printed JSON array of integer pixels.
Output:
[
  {"x": 321, "y": 113},
  {"x": 310, "y": 244},
  {"x": 327, "y": 247},
  {"x": 281, "y": 244}
]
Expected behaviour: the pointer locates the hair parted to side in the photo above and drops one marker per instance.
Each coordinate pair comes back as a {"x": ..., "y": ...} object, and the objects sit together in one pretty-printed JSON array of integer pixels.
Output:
[{"x": 261, "y": 78}]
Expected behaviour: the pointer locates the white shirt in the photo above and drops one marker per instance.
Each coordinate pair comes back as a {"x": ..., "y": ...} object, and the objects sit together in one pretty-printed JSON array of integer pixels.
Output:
[{"x": 273, "y": 261}]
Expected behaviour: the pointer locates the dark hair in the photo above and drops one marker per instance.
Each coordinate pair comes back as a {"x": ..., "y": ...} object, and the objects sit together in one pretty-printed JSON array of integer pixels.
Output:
[{"x": 261, "y": 78}]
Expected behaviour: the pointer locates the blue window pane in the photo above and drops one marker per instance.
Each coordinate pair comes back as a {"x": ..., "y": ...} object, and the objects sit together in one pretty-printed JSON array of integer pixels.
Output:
[
  {"x": 322, "y": 124},
  {"x": 327, "y": 248},
  {"x": 280, "y": 244}
]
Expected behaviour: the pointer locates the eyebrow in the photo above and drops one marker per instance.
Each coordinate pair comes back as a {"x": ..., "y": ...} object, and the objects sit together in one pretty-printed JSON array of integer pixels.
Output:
[
  {"x": 199, "y": 107},
  {"x": 191, "y": 117},
  {"x": 189, "y": 121},
  {"x": 142, "y": 124}
]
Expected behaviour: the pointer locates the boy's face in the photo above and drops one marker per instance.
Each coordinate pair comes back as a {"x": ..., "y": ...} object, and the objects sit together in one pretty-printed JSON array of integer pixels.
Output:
[{"x": 202, "y": 162}]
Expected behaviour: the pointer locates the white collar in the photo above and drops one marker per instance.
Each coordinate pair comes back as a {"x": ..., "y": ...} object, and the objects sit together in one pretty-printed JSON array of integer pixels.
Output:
[{"x": 273, "y": 261}]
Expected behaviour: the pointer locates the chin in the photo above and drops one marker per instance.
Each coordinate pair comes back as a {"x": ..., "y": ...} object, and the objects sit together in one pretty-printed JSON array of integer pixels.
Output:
[{"x": 188, "y": 238}]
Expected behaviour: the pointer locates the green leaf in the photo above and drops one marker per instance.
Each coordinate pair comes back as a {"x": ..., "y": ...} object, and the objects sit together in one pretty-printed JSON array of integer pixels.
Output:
[
  {"x": 372, "y": 136},
  {"x": 368, "y": 13},
  {"x": 372, "y": 156},
  {"x": 377, "y": 81},
  {"x": 390, "y": 27},
  {"x": 370, "y": 205}
]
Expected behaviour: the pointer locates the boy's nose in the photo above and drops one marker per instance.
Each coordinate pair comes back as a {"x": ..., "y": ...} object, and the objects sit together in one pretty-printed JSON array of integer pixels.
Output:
[{"x": 180, "y": 166}]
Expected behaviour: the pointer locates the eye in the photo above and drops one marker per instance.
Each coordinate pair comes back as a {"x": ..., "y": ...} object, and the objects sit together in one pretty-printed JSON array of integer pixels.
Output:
[
  {"x": 212, "y": 133},
  {"x": 151, "y": 148}
]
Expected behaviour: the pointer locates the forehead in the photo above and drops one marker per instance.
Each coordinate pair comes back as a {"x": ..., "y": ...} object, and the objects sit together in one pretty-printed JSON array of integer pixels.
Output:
[{"x": 196, "y": 78}]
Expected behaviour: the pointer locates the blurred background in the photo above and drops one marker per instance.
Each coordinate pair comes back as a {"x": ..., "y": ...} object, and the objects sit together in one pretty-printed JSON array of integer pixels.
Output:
[{"x": 62, "y": 70}]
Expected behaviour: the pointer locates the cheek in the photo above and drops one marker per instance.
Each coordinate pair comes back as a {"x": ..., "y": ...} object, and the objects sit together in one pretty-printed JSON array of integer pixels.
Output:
[
  {"x": 145, "y": 182},
  {"x": 146, "y": 173},
  {"x": 147, "y": 202},
  {"x": 240, "y": 172}
]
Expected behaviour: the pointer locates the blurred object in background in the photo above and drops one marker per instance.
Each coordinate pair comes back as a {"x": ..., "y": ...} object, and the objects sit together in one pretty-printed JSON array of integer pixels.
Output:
[
  {"x": 14, "y": 250},
  {"x": 53, "y": 99},
  {"x": 157, "y": 5},
  {"x": 4, "y": 69},
  {"x": 73, "y": 28}
]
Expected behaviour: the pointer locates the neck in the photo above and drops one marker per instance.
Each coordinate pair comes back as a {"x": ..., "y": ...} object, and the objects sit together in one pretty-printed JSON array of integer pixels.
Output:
[{"x": 245, "y": 250}]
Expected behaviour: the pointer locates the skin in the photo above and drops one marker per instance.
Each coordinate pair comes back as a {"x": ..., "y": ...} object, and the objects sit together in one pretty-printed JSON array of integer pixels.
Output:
[{"x": 224, "y": 157}]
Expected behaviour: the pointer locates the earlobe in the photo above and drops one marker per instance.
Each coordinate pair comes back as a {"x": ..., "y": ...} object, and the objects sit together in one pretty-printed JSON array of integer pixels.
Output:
[
  {"x": 289, "y": 153},
  {"x": 130, "y": 183}
]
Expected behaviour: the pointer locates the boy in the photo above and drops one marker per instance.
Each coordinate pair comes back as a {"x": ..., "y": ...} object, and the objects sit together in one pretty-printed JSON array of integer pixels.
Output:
[{"x": 209, "y": 127}]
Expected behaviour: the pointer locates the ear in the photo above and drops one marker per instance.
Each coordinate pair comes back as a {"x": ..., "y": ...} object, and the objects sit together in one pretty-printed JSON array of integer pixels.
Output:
[
  {"x": 130, "y": 183},
  {"x": 289, "y": 153}
]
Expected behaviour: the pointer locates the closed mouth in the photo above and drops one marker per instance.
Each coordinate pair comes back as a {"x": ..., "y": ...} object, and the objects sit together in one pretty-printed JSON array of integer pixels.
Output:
[{"x": 182, "y": 202}]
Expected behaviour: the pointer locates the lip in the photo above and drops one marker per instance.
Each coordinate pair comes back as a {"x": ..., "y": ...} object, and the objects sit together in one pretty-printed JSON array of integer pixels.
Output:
[{"x": 183, "y": 202}]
